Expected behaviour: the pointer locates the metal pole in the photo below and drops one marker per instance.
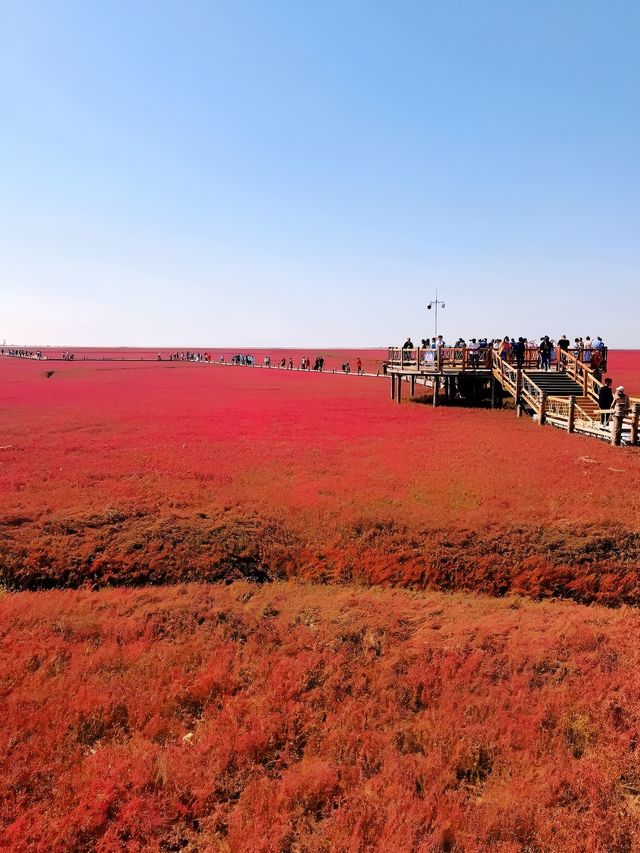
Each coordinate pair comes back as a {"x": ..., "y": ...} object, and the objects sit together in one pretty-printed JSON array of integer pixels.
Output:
[{"x": 435, "y": 334}]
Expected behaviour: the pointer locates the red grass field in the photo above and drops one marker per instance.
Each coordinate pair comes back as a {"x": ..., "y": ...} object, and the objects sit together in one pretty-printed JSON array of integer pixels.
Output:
[
  {"x": 163, "y": 472},
  {"x": 296, "y": 716},
  {"x": 284, "y": 717}
]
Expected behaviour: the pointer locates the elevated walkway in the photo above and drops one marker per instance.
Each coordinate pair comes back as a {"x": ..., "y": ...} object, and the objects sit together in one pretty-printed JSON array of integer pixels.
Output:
[{"x": 565, "y": 396}]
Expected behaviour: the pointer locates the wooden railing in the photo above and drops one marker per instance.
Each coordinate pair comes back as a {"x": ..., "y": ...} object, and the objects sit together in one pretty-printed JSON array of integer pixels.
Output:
[
  {"x": 533, "y": 395},
  {"x": 564, "y": 412},
  {"x": 436, "y": 360},
  {"x": 505, "y": 374},
  {"x": 577, "y": 370},
  {"x": 561, "y": 408},
  {"x": 464, "y": 358}
]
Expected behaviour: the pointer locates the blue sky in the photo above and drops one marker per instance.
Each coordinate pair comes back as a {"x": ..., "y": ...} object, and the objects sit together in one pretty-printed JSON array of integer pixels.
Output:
[{"x": 222, "y": 173}]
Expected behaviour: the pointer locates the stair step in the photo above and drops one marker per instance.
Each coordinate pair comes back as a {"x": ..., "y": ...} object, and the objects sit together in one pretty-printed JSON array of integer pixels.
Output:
[{"x": 555, "y": 384}]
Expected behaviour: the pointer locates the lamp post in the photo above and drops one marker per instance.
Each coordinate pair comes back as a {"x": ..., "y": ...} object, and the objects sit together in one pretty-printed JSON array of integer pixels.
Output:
[{"x": 434, "y": 304}]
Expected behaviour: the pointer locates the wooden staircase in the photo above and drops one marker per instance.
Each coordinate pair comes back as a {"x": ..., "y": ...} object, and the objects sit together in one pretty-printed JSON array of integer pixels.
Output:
[{"x": 566, "y": 397}]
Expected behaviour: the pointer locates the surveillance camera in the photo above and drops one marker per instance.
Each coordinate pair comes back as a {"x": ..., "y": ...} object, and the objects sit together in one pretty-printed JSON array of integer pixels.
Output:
[
  {"x": 442, "y": 306},
  {"x": 429, "y": 306}
]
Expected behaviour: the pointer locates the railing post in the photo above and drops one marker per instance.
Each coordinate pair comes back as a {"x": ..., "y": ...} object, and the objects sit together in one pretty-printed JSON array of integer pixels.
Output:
[
  {"x": 572, "y": 413},
  {"x": 635, "y": 422},
  {"x": 518, "y": 387},
  {"x": 542, "y": 416}
]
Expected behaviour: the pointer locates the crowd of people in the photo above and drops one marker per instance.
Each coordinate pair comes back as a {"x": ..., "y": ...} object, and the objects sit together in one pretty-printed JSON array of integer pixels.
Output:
[
  {"x": 515, "y": 350},
  {"x": 21, "y": 353},
  {"x": 188, "y": 356},
  {"x": 305, "y": 363}
]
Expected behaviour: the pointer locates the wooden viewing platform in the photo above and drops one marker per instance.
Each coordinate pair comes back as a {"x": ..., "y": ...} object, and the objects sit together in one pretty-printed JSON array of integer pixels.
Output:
[{"x": 565, "y": 396}]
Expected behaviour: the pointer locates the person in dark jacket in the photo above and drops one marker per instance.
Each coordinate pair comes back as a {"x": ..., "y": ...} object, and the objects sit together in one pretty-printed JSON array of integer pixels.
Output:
[
  {"x": 605, "y": 401},
  {"x": 518, "y": 349},
  {"x": 545, "y": 353}
]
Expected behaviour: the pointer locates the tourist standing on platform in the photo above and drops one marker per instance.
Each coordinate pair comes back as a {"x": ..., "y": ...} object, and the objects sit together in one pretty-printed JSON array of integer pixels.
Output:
[
  {"x": 408, "y": 344},
  {"x": 564, "y": 343},
  {"x": 505, "y": 348},
  {"x": 429, "y": 350},
  {"x": 605, "y": 402},
  {"x": 519, "y": 351},
  {"x": 473, "y": 346},
  {"x": 596, "y": 360},
  {"x": 621, "y": 407},
  {"x": 545, "y": 353},
  {"x": 587, "y": 350}
]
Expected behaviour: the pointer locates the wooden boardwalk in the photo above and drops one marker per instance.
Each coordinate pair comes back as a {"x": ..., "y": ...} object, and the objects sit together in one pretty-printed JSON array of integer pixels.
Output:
[{"x": 565, "y": 396}]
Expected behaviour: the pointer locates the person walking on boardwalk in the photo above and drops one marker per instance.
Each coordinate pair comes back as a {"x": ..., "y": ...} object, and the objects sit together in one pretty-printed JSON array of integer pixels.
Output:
[
  {"x": 605, "y": 402},
  {"x": 408, "y": 344},
  {"x": 564, "y": 343},
  {"x": 359, "y": 366}
]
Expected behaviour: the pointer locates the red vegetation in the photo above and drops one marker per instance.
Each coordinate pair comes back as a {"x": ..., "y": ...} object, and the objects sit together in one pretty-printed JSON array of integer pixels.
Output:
[
  {"x": 624, "y": 369},
  {"x": 291, "y": 718},
  {"x": 143, "y": 473},
  {"x": 296, "y": 718}
]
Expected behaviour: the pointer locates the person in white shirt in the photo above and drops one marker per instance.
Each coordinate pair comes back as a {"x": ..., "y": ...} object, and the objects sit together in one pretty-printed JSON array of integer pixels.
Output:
[{"x": 473, "y": 346}]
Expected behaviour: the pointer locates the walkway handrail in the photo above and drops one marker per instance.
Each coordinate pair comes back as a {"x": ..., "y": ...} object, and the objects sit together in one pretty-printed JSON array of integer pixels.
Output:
[
  {"x": 435, "y": 360},
  {"x": 561, "y": 406},
  {"x": 532, "y": 393},
  {"x": 505, "y": 373}
]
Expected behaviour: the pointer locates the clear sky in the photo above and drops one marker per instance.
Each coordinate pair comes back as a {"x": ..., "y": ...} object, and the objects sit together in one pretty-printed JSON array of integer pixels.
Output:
[{"x": 301, "y": 173}]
